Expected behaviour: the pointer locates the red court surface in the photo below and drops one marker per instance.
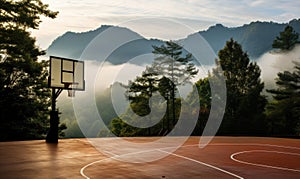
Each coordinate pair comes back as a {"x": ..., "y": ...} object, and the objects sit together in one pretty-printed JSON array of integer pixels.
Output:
[{"x": 224, "y": 157}]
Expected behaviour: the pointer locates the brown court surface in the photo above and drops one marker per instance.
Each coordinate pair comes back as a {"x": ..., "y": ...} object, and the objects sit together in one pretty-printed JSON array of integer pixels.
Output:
[{"x": 224, "y": 157}]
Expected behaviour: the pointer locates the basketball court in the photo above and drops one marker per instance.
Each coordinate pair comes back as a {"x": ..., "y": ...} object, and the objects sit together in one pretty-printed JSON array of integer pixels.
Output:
[{"x": 224, "y": 157}]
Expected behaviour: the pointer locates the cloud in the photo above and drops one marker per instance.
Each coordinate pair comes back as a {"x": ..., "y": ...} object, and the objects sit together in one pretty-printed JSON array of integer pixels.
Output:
[
  {"x": 109, "y": 74},
  {"x": 235, "y": 12},
  {"x": 272, "y": 63},
  {"x": 78, "y": 16}
]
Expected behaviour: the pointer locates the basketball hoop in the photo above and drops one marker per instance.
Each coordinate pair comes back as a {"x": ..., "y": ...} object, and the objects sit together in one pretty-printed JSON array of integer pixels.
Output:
[
  {"x": 71, "y": 93},
  {"x": 71, "y": 89}
]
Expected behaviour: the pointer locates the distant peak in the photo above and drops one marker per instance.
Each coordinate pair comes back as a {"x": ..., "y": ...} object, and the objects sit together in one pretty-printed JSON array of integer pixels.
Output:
[
  {"x": 219, "y": 25},
  {"x": 104, "y": 27}
]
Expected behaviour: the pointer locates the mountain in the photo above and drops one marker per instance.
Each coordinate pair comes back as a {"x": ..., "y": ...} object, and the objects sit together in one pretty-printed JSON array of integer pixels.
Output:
[
  {"x": 116, "y": 45},
  {"x": 256, "y": 38},
  {"x": 71, "y": 44}
]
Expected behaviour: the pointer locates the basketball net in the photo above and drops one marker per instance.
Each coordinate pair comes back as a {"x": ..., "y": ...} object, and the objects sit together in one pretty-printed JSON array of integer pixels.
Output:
[{"x": 71, "y": 90}]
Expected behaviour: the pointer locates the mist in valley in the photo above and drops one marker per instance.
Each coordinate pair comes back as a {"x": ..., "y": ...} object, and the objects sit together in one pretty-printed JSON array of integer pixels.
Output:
[{"x": 100, "y": 78}]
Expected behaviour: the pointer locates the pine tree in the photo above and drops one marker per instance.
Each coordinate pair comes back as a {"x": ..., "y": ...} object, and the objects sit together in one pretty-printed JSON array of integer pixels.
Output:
[
  {"x": 245, "y": 104},
  {"x": 141, "y": 90},
  {"x": 24, "y": 96},
  {"x": 172, "y": 65},
  {"x": 284, "y": 111},
  {"x": 168, "y": 70},
  {"x": 287, "y": 39}
]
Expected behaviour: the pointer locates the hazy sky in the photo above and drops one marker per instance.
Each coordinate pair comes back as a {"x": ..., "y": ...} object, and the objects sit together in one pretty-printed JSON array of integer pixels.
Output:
[{"x": 194, "y": 15}]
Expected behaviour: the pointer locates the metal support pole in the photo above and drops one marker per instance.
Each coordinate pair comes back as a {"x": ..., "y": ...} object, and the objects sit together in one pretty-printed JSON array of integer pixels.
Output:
[{"x": 52, "y": 136}]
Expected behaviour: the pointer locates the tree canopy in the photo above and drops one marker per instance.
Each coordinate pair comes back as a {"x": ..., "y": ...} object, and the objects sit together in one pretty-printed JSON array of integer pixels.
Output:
[
  {"x": 284, "y": 110},
  {"x": 173, "y": 65},
  {"x": 245, "y": 104},
  {"x": 287, "y": 39},
  {"x": 169, "y": 70},
  {"x": 203, "y": 92},
  {"x": 24, "y": 96}
]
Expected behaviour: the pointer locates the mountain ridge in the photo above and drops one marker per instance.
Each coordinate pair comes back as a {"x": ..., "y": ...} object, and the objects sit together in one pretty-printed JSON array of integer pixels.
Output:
[
  {"x": 256, "y": 39},
  {"x": 265, "y": 33}
]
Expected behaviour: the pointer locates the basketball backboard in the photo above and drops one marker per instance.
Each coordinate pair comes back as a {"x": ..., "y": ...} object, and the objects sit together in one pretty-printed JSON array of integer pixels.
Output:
[{"x": 66, "y": 74}]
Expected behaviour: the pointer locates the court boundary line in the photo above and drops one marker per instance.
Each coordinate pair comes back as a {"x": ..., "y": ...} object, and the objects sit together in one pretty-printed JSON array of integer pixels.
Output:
[
  {"x": 254, "y": 144},
  {"x": 232, "y": 156},
  {"x": 202, "y": 163},
  {"x": 160, "y": 150},
  {"x": 192, "y": 145}
]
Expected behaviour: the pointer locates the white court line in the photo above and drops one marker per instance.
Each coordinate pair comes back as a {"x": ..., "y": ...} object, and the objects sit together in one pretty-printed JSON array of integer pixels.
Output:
[
  {"x": 193, "y": 145},
  {"x": 180, "y": 156},
  {"x": 115, "y": 157},
  {"x": 239, "y": 144},
  {"x": 202, "y": 163},
  {"x": 253, "y": 144},
  {"x": 90, "y": 164},
  {"x": 161, "y": 150},
  {"x": 262, "y": 165}
]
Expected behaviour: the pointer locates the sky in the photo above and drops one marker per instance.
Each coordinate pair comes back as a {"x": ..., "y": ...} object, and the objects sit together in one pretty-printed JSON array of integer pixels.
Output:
[{"x": 148, "y": 17}]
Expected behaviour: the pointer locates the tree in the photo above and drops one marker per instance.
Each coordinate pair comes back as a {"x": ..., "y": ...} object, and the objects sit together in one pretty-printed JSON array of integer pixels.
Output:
[
  {"x": 165, "y": 88},
  {"x": 284, "y": 110},
  {"x": 24, "y": 96},
  {"x": 245, "y": 104},
  {"x": 203, "y": 92},
  {"x": 173, "y": 65},
  {"x": 140, "y": 91},
  {"x": 287, "y": 39},
  {"x": 168, "y": 70}
]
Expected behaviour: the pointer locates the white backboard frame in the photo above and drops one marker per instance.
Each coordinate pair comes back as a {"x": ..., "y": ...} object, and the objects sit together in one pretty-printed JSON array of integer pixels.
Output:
[{"x": 66, "y": 74}]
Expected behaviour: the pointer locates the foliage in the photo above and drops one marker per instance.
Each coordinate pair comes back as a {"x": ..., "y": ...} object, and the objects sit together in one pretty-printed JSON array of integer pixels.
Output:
[
  {"x": 202, "y": 87},
  {"x": 171, "y": 64},
  {"x": 287, "y": 39},
  {"x": 141, "y": 90},
  {"x": 119, "y": 127},
  {"x": 24, "y": 96},
  {"x": 104, "y": 104},
  {"x": 245, "y": 104},
  {"x": 284, "y": 111},
  {"x": 169, "y": 69}
]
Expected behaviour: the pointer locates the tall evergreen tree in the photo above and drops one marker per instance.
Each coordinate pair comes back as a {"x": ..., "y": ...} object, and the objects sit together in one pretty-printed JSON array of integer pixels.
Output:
[
  {"x": 287, "y": 39},
  {"x": 168, "y": 70},
  {"x": 173, "y": 65},
  {"x": 284, "y": 111},
  {"x": 24, "y": 96},
  {"x": 245, "y": 104}
]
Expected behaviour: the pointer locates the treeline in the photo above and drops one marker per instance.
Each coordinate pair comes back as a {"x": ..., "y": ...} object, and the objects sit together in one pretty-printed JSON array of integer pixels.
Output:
[
  {"x": 247, "y": 111},
  {"x": 24, "y": 92}
]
